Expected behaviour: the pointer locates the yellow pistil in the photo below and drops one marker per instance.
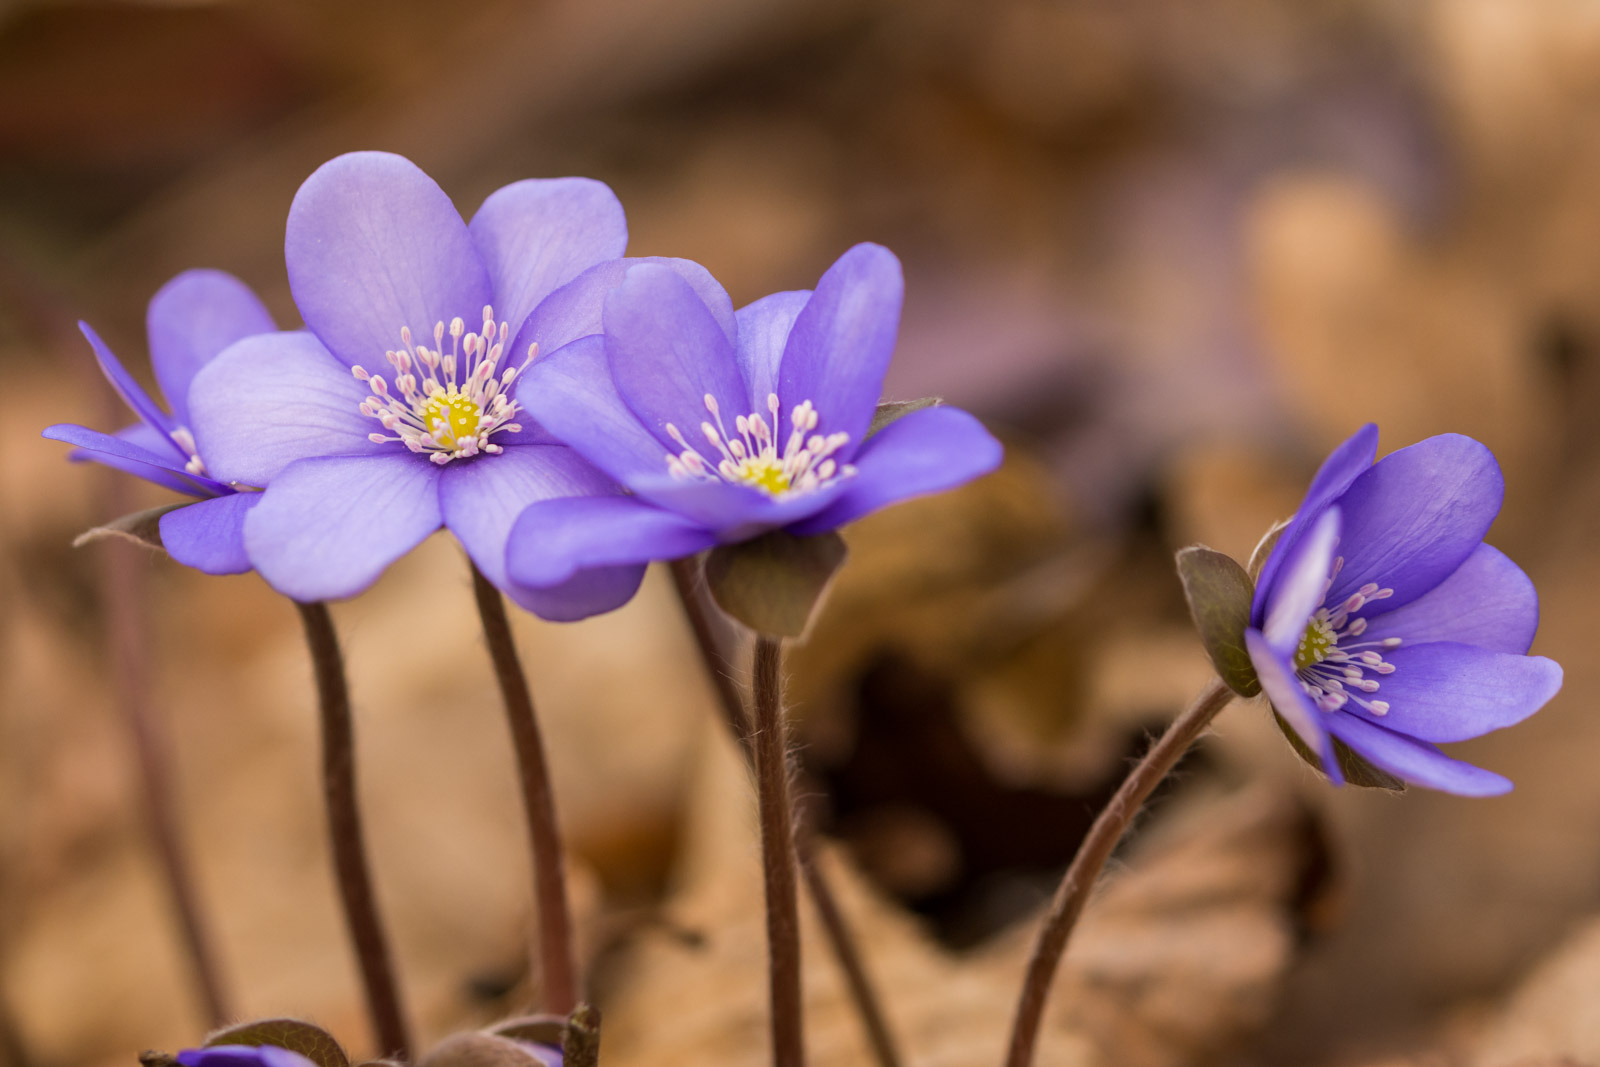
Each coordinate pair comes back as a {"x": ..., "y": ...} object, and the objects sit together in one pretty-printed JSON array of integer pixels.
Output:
[
  {"x": 451, "y": 418},
  {"x": 1315, "y": 643}
]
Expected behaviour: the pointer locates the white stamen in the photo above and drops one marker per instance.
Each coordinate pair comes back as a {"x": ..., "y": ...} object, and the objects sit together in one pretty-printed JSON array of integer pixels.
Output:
[{"x": 1332, "y": 664}]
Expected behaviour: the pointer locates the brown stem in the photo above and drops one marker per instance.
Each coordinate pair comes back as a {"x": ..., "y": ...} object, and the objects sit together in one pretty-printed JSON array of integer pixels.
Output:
[
  {"x": 121, "y": 575},
  {"x": 346, "y": 836},
  {"x": 1108, "y": 828},
  {"x": 777, "y": 852},
  {"x": 558, "y": 969},
  {"x": 834, "y": 925}
]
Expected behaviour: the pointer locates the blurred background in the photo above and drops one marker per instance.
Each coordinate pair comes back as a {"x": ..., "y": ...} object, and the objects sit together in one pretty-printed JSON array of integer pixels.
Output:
[{"x": 1172, "y": 251}]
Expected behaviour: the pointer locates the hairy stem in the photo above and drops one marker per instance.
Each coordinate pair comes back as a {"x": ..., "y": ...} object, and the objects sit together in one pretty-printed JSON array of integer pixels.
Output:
[
  {"x": 1096, "y": 849},
  {"x": 837, "y": 930},
  {"x": 121, "y": 575},
  {"x": 558, "y": 968},
  {"x": 777, "y": 852},
  {"x": 346, "y": 835}
]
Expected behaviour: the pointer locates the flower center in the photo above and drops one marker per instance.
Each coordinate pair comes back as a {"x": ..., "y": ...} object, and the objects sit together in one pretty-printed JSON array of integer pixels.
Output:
[
  {"x": 751, "y": 456},
  {"x": 1331, "y": 662},
  {"x": 449, "y": 403}
]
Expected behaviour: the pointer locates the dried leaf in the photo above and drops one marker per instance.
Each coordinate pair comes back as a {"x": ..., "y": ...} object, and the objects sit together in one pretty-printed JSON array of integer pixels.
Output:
[
  {"x": 311, "y": 1041},
  {"x": 141, "y": 527},
  {"x": 772, "y": 583},
  {"x": 1552, "y": 1014},
  {"x": 1219, "y": 592},
  {"x": 1177, "y": 959}
]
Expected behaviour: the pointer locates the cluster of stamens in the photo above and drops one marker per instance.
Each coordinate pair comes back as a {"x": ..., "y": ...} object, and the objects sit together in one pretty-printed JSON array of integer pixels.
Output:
[
  {"x": 1331, "y": 664},
  {"x": 751, "y": 457},
  {"x": 449, "y": 403}
]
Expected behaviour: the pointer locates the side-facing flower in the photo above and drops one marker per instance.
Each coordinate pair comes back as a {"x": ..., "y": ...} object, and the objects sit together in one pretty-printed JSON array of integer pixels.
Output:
[
  {"x": 1382, "y": 622},
  {"x": 400, "y": 408},
  {"x": 189, "y": 322},
  {"x": 724, "y": 425}
]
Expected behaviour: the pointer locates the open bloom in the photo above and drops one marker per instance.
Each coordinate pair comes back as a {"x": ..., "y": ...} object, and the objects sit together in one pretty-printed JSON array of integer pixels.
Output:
[
  {"x": 400, "y": 408},
  {"x": 1383, "y": 622},
  {"x": 726, "y": 425},
  {"x": 190, "y": 320}
]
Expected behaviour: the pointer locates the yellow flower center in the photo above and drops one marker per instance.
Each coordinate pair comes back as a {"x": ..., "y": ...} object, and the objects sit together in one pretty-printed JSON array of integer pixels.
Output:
[
  {"x": 765, "y": 473},
  {"x": 446, "y": 405},
  {"x": 1315, "y": 644},
  {"x": 451, "y": 418}
]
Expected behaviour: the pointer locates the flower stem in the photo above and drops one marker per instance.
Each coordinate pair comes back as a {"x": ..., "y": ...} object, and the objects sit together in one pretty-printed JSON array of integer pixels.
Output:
[
  {"x": 1096, "y": 849},
  {"x": 558, "y": 969},
  {"x": 121, "y": 574},
  {"x": 777, "y": 852},
  {"x": 834, "y": 925},
  {"x": 346, "y": 835}
]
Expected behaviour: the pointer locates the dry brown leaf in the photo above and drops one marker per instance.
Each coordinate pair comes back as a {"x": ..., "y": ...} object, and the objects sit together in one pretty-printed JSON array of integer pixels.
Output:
[
  {"x": 1178, "y": 958},
  {"x": 1554, "y": 1014}
]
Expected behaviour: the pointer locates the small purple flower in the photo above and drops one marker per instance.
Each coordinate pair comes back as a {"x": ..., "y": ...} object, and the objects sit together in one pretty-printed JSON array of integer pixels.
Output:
[
  {"x": 190, "y": 320},
  {"x": 727, "y": 425},
  {"x": 1382, "y": 621},
  {"x": 401, "y": 407},
  {"x": 242, "y": 1056}
]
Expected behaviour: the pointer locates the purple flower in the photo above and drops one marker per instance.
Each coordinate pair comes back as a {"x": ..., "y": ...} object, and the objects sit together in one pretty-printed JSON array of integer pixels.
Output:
[
  {"x": 726, "y": 425},
  {"x": 190, "y": 320},
  {"x": 400, "y": 408},
  {"x": 242, "y": 1056},
  {"x": 1382, "y": 621}
]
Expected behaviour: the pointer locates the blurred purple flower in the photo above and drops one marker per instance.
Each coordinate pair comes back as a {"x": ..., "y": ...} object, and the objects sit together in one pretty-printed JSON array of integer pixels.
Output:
[
  {"x": 190, "y": 320},
  {"x": 361, "y": 461},
  {"x": 1381, "y": 619},
  {"x": 727, "y": 425},
  {"x": 242, "y": 1056}
]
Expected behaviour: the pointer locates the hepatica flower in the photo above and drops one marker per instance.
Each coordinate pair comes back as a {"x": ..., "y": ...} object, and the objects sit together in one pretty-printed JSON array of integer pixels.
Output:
[
  {"x": 400, "y": 408},
  {"x": 727, "y": 425},
  {"x": 1381, "y": 620},
  {"x": 190, "y": 320}
]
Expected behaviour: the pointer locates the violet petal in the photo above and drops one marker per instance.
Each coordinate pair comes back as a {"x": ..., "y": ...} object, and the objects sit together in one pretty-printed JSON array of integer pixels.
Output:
[
  {"x": 1278, "y": 681},
  {"x": 373, "y": 244},
  {"x": 275, "y": 398},
  {"x": 928, "y": 451},
  {"x": 1488, "y": 602},
  {"x": 556, "y": 539},
  {"x": 190, "y": 320},
  {"x": 537, "y": 235},
  {"x": 839, "y": 349},
  {"x": 1445, "y": 691},
  {"x": 327, "y": 527},
  {"x": 1416, "y": 762},
  {"x": 209, "y": 535}
]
